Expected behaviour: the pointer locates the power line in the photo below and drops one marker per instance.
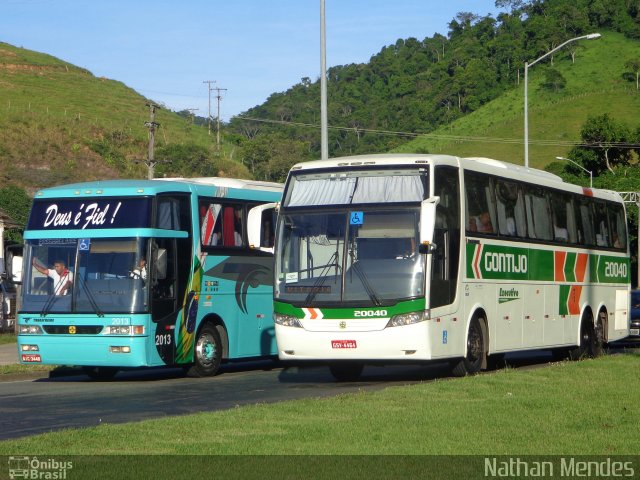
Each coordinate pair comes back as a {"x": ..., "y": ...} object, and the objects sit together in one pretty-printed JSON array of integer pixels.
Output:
[{"x": 458, "y": 138}]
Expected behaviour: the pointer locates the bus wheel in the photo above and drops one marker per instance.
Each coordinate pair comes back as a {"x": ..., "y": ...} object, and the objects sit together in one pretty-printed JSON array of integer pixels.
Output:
[
  {"x": 597, "y": 347},
  {"x": 475, "y": 351},
  {"x": 346, "y": 372},
  {"x": 590, "y": 339},
  {"x": 100, "y": 373},
  {"x": 208, "y": 353}
]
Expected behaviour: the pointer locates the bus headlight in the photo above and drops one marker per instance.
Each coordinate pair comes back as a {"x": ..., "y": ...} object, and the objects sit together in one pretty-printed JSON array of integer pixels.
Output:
[
  {"x": 118, "y": 330},
  {"x": 124, "y": 330},
  {"x": 30, "y": 330},
  {"x": 286, "y": 320},
  {"x": 407, "y": 319}
]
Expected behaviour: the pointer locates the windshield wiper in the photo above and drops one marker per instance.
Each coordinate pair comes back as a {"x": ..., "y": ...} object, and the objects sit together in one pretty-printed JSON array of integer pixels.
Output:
[
  {"x": 91, "y": 298},
  {"x": 49, "y": 305},
  {"x": 355, "y": 265},
  {"x": 317, "y": 285}
]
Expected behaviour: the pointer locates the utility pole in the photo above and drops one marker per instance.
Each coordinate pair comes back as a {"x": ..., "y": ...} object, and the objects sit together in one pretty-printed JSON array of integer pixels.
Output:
[
  {"x": 219, "y": 97},
  {"x": 152, "y": 125},
  {"x": 191, "y": 110},
  {"x": 209, "y": 82}
]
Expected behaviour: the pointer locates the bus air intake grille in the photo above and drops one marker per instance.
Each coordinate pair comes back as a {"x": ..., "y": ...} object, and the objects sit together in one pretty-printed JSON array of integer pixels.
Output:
[{"x": 72, "y": 329}]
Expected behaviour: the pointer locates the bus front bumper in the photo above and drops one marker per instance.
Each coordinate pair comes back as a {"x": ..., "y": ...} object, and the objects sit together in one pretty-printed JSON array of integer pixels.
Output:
[
  {"x": 112, "y": 351},
  {"x": 406, "y": 343}
]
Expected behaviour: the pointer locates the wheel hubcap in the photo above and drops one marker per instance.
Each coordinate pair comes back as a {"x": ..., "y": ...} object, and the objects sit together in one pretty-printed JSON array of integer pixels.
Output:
[{"x": 205, "y": 350}]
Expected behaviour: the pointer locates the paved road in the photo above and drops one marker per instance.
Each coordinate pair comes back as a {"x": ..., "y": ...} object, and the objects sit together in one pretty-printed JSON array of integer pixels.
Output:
[
  {"x": 33, "y": 406},
  {"x": 37, "y": 405}
]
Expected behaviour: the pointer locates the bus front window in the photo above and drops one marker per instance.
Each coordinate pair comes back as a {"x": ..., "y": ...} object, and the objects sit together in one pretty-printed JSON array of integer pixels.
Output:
[
  {"x": 353, "y": 256},
  {"x": 96, "y": 276}
]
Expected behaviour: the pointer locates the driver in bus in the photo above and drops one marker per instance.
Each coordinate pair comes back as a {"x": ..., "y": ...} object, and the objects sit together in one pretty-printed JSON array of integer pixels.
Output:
[{"x": 61, "y": 276}]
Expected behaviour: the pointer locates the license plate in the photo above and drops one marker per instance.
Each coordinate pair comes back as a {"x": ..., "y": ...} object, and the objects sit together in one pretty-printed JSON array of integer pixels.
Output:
[
  {"x": 343, "y": 344},
  {"x": 31, "y": 357},
  {"x": 634, "y": 331}
]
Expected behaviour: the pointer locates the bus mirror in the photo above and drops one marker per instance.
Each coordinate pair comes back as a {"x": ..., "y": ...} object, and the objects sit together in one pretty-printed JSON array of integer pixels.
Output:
[
  {"x": 426, "y": 248},
  {"x": 261, "y": 227},
  {"x": 16, "y": 269},
  {"x": 161, "y": 264},
  {"x": 428, "y": 221}
]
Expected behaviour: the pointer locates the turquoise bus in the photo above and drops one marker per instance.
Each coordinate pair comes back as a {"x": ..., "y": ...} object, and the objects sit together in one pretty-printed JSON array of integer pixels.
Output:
[{"x": 123, "y": 273}]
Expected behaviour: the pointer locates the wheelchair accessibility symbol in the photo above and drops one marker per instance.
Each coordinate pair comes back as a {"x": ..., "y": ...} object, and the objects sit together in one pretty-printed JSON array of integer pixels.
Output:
[
  {"x": 357, "y": 218},
  {"x": 84, "y": 244}
]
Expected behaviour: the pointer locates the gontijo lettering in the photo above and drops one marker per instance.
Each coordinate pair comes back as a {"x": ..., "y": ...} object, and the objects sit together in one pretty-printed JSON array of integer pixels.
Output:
[{"x": 505, "y": 262}]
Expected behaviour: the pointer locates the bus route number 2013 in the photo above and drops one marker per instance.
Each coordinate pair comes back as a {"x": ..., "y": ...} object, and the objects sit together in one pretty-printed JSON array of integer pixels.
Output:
[
  {"x": 370, "y": 313},
  {"x": 164, "y": 339}
]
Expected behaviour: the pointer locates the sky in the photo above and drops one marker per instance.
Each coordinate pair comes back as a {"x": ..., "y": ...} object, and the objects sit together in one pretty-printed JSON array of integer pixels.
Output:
[{"x": 167, "y": 50}]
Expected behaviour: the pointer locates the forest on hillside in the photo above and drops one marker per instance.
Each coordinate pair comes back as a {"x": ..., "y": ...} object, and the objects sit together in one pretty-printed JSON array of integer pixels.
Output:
[{"x": 416, "y": 86}]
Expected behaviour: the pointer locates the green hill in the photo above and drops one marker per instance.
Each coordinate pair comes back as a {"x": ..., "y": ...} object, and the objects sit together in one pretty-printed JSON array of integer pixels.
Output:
[
  {"x": 595, "y": 84},
  {"x": 62, "y": 124}
]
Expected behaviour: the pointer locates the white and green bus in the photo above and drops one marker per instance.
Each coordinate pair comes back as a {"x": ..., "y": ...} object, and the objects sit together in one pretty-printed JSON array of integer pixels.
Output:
[{"x": 419, "y": 258}]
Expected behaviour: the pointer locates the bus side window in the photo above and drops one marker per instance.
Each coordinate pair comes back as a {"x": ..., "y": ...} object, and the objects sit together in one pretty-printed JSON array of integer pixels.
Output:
[
  {"x": 603, "y": 239},
  {"x": 618, "y": 226},
  {"x": 510, "y": 208},
  {"x": 221, "y": 225},
  {"x": 538, "y": 214},
  {"x": 480, "y": 204},
  {"x": 563, "y": 224}
]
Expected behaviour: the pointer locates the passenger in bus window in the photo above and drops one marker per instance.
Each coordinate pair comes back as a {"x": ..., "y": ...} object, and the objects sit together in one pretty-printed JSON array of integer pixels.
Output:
[
  {"x": 61, "y": 276},
  {"x": 237, "y": 227},
  {"x": 473, "y": 225},
  {"x": 616, "y": 241},
  {"x": 485, "y": 223}
]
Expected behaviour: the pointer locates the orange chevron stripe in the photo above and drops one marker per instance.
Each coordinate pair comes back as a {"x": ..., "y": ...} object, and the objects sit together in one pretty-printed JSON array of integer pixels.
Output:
[
  {"x": 573, "y": 302},
  {"x": 581, "y": 266},
  {"x": 560, "y": 258}
]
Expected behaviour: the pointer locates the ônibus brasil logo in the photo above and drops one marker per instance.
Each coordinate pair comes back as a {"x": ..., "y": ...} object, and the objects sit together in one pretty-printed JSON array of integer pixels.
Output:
[{"x": 35, "y": 468}]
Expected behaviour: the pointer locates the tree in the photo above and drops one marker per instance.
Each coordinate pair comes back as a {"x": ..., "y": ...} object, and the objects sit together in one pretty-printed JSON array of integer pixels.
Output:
[
  {"x": 602, "y": 148},
  {"x": 634, "y": 65},
  {"x": 554, "y": 80},
  {"x": 15, "y": 203}
]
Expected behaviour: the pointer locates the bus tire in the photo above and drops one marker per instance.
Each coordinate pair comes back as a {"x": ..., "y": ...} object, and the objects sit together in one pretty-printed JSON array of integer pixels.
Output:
[
  {"x": 591, "y": 338},
  {"x": 598, "y": 340},
  {"x": 100, "y": 373},
  {"x": 346, "y": 372},
  {"x": 207, "y": 354},
  {"x": 476, "y": 351}
]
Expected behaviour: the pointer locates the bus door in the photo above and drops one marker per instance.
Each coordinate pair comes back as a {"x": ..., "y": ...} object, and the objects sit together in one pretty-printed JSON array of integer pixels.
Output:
[{"x": 254, "y": 288}]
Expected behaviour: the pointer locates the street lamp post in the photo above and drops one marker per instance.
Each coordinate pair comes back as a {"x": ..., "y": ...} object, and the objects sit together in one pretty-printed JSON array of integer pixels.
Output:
[
  {"x": 324, "y": 134},
  {"x": 580, "y": 166},
  {"x": 591, "y": 36}
]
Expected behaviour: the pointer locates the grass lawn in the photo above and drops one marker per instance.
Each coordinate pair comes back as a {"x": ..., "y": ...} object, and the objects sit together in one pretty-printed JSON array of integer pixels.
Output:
[
  {"x": 7, "y": 338},
  {"x": 568, "y": 408}
]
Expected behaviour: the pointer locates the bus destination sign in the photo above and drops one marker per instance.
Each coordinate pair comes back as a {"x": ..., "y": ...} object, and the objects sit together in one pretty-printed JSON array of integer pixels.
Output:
[{"x": 84, "y": 214}]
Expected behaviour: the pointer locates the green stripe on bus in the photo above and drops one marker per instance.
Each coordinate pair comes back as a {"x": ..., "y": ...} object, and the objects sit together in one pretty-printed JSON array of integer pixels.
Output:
[
  {"x": 498, "y": 262},
  {"x": 408, "y": 306},
  {"x": 563, "y": 307}
]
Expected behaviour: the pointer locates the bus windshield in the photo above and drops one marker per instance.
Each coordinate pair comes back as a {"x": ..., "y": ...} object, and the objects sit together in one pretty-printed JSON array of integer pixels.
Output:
[
  {"x": 359, "y": 256},
  {"x": 86, "y": 276}
]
